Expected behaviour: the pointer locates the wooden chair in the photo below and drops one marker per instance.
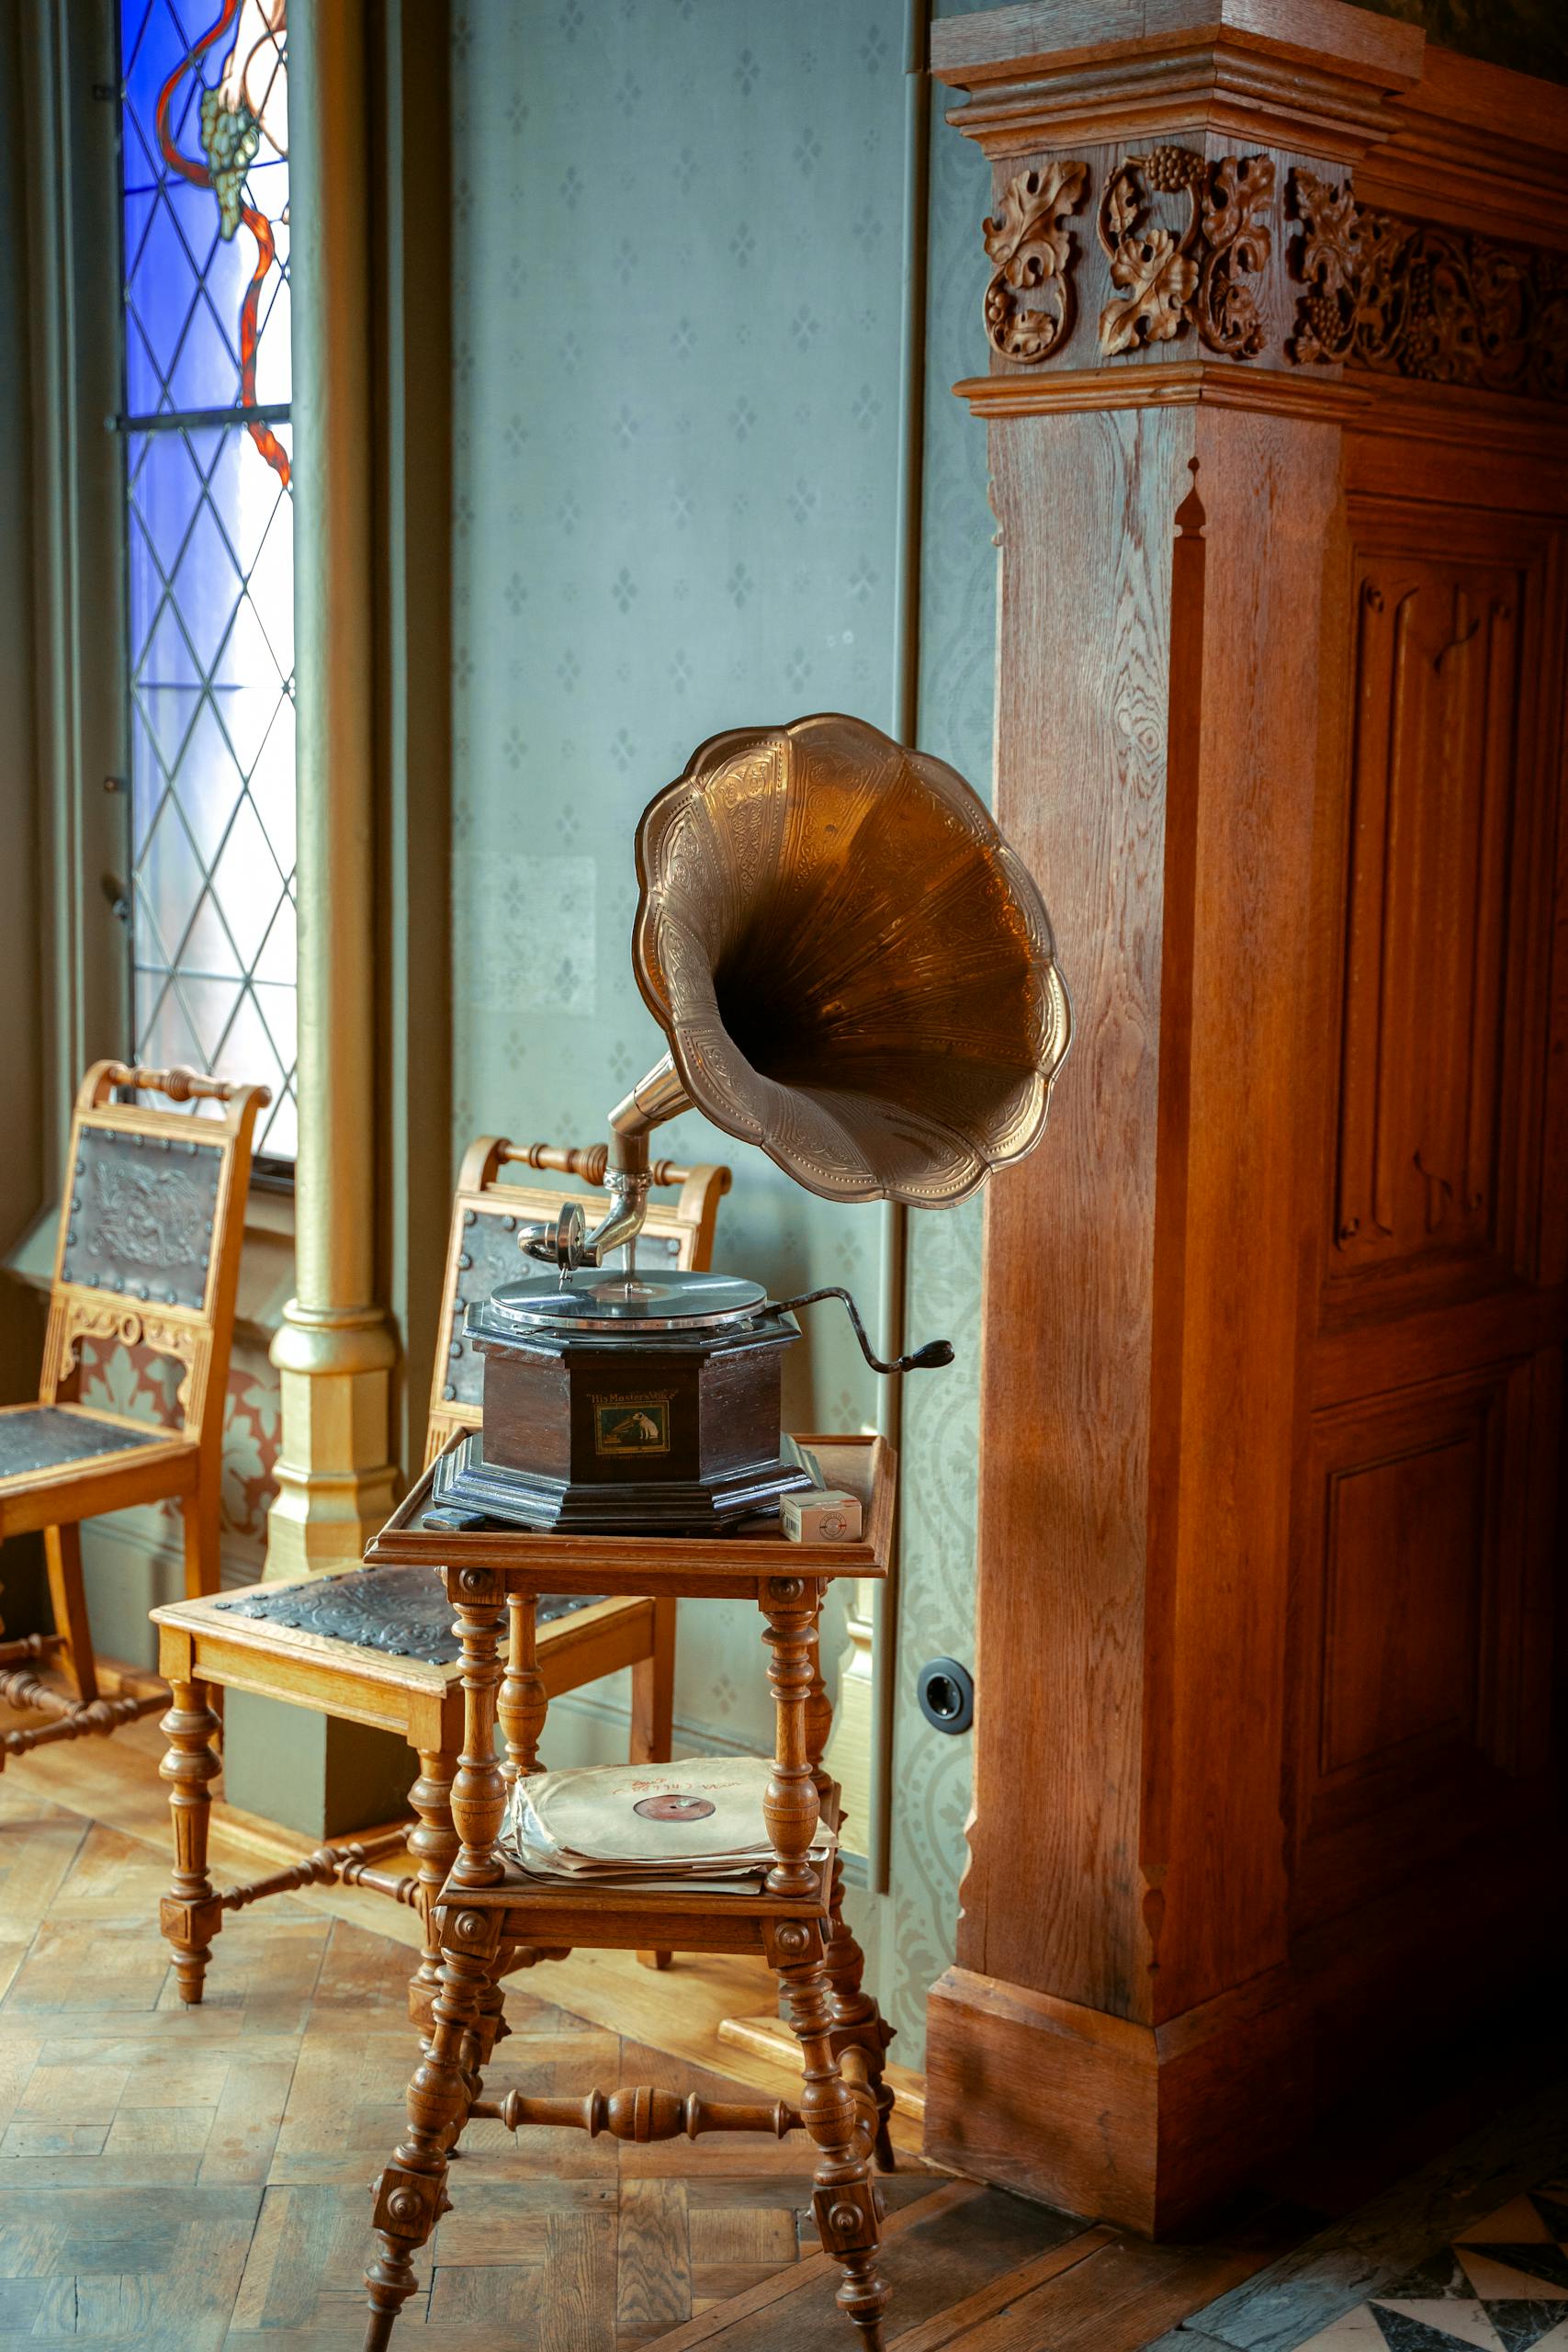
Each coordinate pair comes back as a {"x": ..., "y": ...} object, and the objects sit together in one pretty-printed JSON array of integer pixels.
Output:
[
  {"x": 148, "y": 1256},
  {"x": 375, "y": 1645}
]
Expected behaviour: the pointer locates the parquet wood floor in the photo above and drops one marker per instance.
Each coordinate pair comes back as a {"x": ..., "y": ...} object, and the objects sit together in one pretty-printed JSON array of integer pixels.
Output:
[{"x": 182, "y": 2181}]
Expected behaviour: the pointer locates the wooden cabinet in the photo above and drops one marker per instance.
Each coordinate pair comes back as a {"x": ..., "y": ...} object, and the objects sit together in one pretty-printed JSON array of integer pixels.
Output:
[{"x": 1270, "y": 1534}]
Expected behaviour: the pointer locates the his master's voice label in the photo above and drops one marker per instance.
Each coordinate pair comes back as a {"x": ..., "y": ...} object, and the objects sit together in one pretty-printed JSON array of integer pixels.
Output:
[{"x": 624, "y": 1425}]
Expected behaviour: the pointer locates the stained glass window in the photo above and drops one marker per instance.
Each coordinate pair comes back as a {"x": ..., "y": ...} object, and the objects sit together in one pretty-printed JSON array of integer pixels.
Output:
[{"x": 204, "y": 180}]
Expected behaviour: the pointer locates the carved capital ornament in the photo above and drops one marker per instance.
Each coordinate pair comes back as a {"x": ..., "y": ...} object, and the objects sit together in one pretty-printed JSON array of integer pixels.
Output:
[{"x": 1187, "y": 239}]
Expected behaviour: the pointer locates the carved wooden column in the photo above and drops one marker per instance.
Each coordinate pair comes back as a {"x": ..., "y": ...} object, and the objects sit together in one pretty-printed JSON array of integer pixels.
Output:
[{"x": 1274, "y": 1321}]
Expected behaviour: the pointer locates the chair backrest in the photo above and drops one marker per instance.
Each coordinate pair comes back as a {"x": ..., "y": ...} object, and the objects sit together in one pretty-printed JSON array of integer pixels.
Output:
[
  {"x": 150, "y": 1231},
  {"x": 482, "y": 1249}
]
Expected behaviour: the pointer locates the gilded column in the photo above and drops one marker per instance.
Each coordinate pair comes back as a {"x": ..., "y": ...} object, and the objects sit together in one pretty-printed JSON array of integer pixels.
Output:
[{"x": 335, "y": 1350}]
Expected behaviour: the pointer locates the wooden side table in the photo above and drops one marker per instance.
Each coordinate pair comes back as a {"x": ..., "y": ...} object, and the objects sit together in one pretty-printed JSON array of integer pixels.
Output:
[{"x": 492, "y": 1919}]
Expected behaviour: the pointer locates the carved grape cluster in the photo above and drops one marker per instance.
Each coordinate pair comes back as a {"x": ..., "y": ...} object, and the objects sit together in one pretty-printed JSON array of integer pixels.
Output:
[{"x": 1168, "y": 170}]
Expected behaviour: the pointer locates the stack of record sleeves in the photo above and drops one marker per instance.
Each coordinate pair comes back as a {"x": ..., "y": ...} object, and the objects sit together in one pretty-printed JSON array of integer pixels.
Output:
[{"x": 696, "y": 1826}]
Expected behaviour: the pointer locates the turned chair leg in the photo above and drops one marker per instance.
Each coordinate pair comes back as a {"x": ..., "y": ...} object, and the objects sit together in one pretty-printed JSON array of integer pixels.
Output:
[
  {"x": 63, "y": 1549},
  {"x": 433, "y": 1846},
  {"x": 653, "y": 1712},
  {"x": 857, "y": 2022},
  {"x": 19, "y": 1662},
  {"x": 190, "y": 1914},
  {"x": 411, "y": 2193},
  {"x": 846, "y": 2205}
]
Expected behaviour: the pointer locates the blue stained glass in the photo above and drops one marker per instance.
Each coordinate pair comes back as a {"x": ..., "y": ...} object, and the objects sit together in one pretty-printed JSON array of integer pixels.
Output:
[{"x": 209, "y": 540}]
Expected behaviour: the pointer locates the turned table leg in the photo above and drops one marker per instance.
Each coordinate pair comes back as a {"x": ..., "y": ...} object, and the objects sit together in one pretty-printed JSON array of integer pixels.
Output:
[
  {"x": 523, "y": 1701},
  {"x": 856, "y": 2020},
  {"x": 845, "y": 2204},
  {"x": 478, "y": 1789},
  {"x": 433, "y": 1846},
  {"x": 465, "y": 2011},
  {"x": 791, "y": 1807},
  {"x": 854, "y": 2017},
  {"x": 190, "y": 1914},
  {"x": 411, "y": 2193}
]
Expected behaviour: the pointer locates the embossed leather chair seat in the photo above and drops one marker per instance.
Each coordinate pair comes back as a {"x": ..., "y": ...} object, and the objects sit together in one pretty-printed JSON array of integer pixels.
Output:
[
  {"x": 403, "y": 1612},
  {"x": 50, "y": 1456}
]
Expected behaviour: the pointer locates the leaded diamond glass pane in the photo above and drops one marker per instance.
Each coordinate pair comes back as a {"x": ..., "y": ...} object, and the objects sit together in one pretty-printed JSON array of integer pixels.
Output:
[{"x": 210, "y": 539}]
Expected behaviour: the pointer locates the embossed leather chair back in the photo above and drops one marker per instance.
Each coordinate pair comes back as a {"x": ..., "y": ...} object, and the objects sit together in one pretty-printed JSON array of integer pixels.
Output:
[
  {"x": 150, "y": 1231},
  {"x": 482, "y": 1249}
]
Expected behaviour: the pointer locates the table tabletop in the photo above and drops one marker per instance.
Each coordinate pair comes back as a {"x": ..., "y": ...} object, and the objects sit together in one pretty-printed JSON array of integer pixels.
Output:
[{"x": 736, "y": 1564}]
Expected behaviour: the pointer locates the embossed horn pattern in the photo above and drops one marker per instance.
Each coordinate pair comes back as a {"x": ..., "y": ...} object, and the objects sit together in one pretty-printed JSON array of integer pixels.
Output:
[{"x": 853, "y": 969}]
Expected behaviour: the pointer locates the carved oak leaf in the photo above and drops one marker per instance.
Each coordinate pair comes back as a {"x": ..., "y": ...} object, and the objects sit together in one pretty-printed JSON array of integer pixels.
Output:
[
  {"x": 1238, "y": 241},
  {"x": 1031, "y": 242},
  {"x": 1156, "y": 279},
  {"x": 1329, "y": 258},
  {"x": 1121, "y": 207}
]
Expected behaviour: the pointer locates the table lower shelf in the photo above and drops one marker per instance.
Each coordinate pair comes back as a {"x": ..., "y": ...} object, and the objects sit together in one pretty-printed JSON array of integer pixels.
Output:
[{"x": 624, "y": 1918}]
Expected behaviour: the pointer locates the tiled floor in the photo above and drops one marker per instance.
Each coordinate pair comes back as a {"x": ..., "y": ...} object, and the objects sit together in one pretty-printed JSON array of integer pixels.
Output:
[{"x": 1502, "y": 2287}]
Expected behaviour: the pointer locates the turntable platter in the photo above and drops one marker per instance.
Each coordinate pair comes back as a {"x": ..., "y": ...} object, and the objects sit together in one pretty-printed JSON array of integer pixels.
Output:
[{"x": 626, "y": 1304}]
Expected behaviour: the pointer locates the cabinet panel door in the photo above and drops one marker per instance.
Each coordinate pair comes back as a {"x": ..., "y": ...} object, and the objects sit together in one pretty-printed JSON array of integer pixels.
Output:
[
  {"x": 1423, "y": 1590},
  {"x": 1427, "y": 1510},
  {"x": 1444, "y": 927}
]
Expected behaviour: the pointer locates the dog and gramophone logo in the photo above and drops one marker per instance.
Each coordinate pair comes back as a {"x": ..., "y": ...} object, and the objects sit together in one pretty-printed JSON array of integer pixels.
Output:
[{"x": 632, "y": 1425}]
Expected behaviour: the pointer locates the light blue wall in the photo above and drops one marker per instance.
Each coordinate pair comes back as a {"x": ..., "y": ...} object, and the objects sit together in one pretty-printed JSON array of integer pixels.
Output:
[
  {"x": 679, "y": 285},
  {"x": 958, "y": 623}
]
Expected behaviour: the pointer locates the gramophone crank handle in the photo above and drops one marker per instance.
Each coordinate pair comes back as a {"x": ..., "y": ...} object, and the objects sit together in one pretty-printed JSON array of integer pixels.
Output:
[{"x": 930, "y": 1358}]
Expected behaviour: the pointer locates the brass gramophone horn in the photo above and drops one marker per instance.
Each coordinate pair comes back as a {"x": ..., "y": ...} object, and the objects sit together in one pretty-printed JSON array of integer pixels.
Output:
[{"x": 852, "y": 966}]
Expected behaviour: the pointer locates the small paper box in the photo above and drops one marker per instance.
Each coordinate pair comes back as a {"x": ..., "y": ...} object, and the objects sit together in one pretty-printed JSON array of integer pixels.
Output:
[{"x": 826, "y": 1515}]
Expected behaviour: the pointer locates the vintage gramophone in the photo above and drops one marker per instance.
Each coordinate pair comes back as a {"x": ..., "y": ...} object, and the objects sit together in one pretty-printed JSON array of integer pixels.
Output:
[{"x": 855, "y": 972}]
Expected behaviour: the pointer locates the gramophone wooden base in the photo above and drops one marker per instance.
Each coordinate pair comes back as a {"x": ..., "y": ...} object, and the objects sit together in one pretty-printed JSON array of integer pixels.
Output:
[{"x": 467, "y": 1484}]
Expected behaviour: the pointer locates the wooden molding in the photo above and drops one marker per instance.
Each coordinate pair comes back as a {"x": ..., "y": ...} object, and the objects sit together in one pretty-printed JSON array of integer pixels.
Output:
[
  {"x": 1031, "y": 35},
  {"x": 1486, "y": 425},
  {"x": 1327, "y": 399},
  {"x": 1312, "y": 76},
  {"x": 1479, "y": 148}
]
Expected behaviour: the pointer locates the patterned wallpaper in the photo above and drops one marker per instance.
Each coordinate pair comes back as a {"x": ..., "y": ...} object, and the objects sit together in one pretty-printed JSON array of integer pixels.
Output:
[
  {"x": 958, "y": 592},
  {"x": 677, "y": 282},
  {"x": 134, "y": 1559}
]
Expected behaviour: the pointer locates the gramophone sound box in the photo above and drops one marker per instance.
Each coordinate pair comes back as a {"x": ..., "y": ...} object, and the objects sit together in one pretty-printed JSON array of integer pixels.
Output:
[{"x": 854, "y": 972}]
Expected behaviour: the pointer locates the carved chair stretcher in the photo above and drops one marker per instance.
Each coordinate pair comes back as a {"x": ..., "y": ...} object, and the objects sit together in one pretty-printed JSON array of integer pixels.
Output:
[
  {"x": 148, "y": 1256},
  {"x": 376, "y": 1647},
  {"x": 492, "y": 1918}
]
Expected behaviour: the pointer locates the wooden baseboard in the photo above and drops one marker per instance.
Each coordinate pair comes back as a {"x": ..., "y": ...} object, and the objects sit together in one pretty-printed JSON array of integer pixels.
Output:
[
  {"x": 116, "y": 1680},
  {"x": 1152, "y": 2126},
  {"x": 770, "y": 2039},
  {"x": 253, "y": 1834}
]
